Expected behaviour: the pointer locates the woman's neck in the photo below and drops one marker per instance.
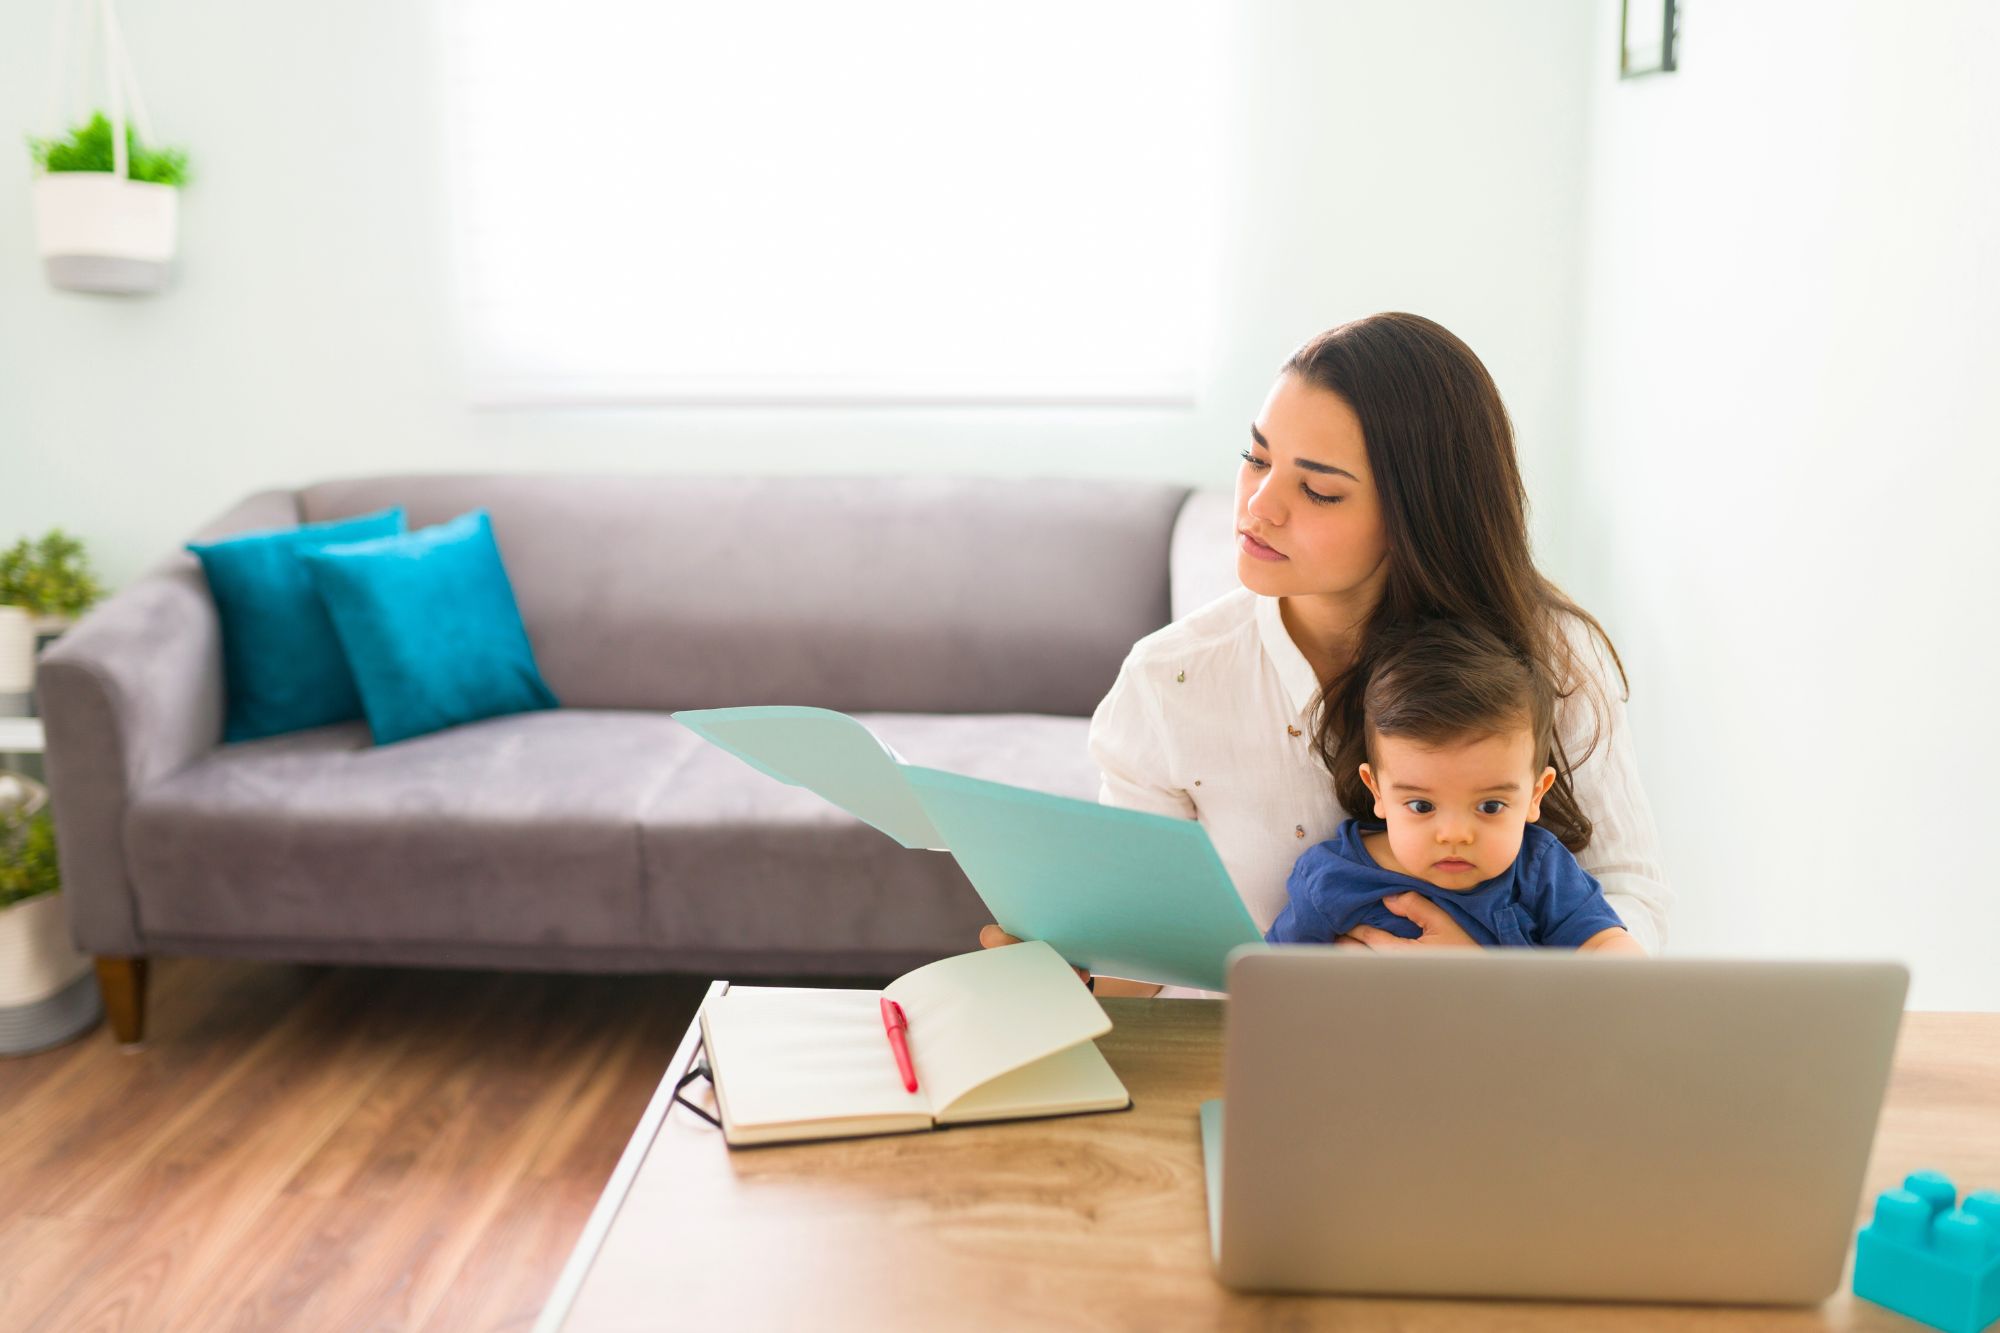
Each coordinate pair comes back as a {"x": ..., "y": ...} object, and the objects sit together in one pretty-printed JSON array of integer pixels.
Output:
[{"x": 1327, "y": 628}]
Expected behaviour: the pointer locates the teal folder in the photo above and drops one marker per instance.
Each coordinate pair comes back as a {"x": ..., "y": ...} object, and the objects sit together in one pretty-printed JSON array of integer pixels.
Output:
[
  {"x": 825, "y": 752},
  {"x": 1120, "y": 892}
]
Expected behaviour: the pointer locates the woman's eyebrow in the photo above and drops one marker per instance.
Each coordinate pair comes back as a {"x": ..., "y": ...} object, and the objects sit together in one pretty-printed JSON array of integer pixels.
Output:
[{"x": 1305, "y": 463}]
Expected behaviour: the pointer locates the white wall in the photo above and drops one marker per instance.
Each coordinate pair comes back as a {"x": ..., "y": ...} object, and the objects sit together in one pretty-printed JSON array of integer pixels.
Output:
[
  {"x": 1745, "y": 310},
  {"x": 1424, "y": 156},
  {"x": 1789, "y": 449}
]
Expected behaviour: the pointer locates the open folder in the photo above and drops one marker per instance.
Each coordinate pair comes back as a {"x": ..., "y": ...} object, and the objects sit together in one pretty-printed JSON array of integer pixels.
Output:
[
  {"x": 998, "y": 1034},
  {"x": 1119, "y": 892}
]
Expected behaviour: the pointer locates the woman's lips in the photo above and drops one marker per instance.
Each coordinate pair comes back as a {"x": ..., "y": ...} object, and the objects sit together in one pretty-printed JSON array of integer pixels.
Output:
[{"x": 1253, "y": 547}]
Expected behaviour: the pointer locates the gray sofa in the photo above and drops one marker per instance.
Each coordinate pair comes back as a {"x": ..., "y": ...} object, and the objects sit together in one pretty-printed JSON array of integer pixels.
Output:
[{"x": 973, "y": 624}]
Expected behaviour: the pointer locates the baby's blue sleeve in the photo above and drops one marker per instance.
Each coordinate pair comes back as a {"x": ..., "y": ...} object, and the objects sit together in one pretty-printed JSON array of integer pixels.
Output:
[
  {"x": 1303, "y": 921},
  {"x": 1570, "y": 906}
]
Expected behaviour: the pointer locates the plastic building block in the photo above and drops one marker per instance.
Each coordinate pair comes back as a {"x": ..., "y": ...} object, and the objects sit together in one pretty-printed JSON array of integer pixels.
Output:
[{"x": 1924, "y": 1258}]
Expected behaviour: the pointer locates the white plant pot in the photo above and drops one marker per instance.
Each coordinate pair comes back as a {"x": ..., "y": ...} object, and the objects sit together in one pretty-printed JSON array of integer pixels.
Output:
[
  {"x": 17, "y": 660},
  {"x": 47, "y": 994},
  {"x": 36, "y": 957},
  {"x": 100, "y": 232}
]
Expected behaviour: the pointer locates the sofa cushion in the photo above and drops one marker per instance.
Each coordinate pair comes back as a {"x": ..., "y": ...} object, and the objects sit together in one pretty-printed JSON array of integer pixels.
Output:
[
  {"x": 738, "y": 860},
  {"x": 914, "y": 595},
  {"x": 430, "y": 628},
  {"x": 520, "y": 829},
  {"x": 282, "y": 665}
]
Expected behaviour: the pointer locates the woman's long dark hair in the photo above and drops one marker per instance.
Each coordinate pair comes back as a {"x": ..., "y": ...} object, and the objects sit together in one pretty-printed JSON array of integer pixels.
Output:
[{"x": 1456, "y": 518}]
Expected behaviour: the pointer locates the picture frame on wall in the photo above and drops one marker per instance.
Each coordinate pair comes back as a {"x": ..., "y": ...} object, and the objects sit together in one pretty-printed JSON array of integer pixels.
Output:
[{"x": 1647, "y": 30}]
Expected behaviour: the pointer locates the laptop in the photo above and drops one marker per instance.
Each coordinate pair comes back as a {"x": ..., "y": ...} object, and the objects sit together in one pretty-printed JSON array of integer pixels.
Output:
[{"x": 1537, "y": 1124}]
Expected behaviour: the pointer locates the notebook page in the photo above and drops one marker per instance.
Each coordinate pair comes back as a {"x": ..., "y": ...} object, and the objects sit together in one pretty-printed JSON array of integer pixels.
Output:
[
  {"x": 786, "y": 1055},
  {"x": 1067, "y": 1083},
  {"x": 981, "y": 1015}
]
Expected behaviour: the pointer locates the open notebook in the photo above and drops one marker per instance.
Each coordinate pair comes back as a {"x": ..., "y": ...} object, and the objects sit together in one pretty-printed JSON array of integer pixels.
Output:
[{"x": 1001, "y": 1034}]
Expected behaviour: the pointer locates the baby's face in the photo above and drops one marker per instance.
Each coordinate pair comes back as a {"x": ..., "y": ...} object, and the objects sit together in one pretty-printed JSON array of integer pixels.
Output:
[{"x": 1457, "y": 812}]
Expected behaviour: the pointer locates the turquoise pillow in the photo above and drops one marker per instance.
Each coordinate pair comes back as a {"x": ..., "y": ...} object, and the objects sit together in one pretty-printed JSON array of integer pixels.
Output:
[
  {"x": 430, "y": 628},
  {"x": 282, "y": 665}
]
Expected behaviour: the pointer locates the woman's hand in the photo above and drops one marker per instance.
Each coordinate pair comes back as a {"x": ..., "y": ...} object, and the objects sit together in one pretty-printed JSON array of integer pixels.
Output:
[
  {"x": 1439, "y": 930},
  {"x": 992, "y": 937}
]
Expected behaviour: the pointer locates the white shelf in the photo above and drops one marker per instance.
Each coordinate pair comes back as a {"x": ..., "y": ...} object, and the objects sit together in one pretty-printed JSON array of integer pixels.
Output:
[{"x": 20, "y": 735}]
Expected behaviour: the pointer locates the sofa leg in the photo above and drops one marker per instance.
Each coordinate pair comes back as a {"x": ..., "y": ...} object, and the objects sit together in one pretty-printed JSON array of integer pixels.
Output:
[{"x": 122, "y": 982}]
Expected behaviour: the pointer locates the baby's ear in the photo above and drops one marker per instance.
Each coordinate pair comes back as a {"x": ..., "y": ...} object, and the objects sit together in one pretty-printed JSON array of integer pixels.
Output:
[
  {"x": 1542, "y": 785},
  {"x": 1368, "y": 779}
]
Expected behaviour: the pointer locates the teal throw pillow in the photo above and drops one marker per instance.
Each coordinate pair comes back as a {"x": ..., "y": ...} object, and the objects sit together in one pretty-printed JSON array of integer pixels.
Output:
[
  {"x": 282, "y": 665},
  {"x": 430, "y": 627}
]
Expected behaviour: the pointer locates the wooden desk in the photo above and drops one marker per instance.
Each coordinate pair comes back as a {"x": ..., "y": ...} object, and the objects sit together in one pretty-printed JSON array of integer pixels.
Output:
[{"x": 1098, "y": 1222}]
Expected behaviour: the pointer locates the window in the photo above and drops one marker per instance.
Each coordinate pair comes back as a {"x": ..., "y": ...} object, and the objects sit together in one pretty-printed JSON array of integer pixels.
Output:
[{"x": 862, "y": 201}]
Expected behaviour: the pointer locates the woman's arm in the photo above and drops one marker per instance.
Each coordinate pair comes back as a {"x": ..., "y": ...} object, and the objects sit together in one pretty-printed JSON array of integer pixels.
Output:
[
  {"x": 1127, "y": 737},
  {"x": 1125, "y": 741},
  {"x": 1304, "y": 918},
  {"x": 1624, "y": 851},
  {"x": 992, "y": 937}
]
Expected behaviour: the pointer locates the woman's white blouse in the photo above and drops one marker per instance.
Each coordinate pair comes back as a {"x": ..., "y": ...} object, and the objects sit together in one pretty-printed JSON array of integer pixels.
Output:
[{"x": 1211, "y": 719}]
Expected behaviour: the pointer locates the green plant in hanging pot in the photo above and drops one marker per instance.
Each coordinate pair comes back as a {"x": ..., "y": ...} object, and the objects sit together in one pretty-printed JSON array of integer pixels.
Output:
[
  {"x": 88, "y": 147},
  {"x": 107, "y": 221},
  {"x": 107, "y": 196}
]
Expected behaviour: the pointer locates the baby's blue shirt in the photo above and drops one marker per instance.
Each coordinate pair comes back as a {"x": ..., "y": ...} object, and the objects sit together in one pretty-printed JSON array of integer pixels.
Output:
[{"x": 1544, "y": 898}]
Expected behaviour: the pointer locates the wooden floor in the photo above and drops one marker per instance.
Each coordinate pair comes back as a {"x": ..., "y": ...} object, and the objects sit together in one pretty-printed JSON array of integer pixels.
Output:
[{"x": 323, "y": 1148}]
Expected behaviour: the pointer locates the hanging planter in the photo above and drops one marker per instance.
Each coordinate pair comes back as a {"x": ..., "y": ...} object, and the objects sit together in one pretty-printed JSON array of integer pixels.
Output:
[{"x": 106, "y": 201}]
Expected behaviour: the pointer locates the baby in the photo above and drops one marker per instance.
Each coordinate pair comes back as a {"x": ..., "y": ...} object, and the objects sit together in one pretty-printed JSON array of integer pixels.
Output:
[{"x": 1460, "y": 734}]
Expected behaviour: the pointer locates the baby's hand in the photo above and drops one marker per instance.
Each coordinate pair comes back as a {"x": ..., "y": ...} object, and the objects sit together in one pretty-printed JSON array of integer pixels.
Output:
[{"x": 1615, "y": 939}]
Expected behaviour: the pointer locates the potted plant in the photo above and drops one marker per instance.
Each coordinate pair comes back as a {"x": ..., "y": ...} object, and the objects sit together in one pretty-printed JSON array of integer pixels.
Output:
[
  {"x": 50, "y": 576},
  {"x": 47, "y": 994},
  {"x": 107, "y": 198},
  {"x": 107, "y": 207},
  {"x": 44, "y": 585}
]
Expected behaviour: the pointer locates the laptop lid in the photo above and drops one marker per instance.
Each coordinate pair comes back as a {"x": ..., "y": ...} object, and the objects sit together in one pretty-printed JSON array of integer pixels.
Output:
[{"x": 1531, "y": 1124}]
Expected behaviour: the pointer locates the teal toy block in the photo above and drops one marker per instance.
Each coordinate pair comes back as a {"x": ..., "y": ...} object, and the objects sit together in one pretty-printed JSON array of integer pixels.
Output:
[{"x": 1924, "y": 1258}]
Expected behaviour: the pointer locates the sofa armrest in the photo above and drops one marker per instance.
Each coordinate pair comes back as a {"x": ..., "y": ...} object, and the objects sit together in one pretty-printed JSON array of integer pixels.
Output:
[
  {"x": 132, "y": 694},
  {"x": 1202, "y": 560}
]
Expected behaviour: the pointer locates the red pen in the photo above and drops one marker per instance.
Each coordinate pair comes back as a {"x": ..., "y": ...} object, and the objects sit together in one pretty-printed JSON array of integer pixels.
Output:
[{"x": 893, "y": 1020}]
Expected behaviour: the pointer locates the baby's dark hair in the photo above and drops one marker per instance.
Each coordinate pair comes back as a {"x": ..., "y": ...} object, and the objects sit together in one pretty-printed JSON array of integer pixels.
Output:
[{"x": 1441, "y": 681}]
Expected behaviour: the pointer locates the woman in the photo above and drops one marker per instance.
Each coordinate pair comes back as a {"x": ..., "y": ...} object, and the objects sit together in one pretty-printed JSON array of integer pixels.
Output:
[{"x": 1379, "y": 487}]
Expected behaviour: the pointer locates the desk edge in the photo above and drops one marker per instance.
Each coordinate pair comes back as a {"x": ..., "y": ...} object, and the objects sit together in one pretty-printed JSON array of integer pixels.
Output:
[{"x": 562, "y": 1297}]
